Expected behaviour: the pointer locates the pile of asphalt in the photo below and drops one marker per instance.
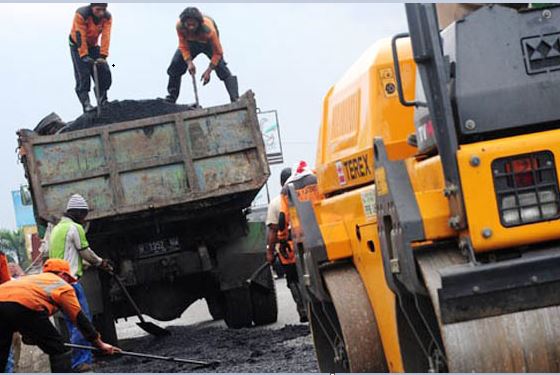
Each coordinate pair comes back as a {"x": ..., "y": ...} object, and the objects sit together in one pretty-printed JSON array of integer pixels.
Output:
[
  {"x": 288, "y": 349},
  {"x": 126, "y": 110}
]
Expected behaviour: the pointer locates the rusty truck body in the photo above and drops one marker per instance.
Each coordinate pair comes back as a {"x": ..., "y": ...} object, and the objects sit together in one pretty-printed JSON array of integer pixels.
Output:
[{"x": 169, "y": 199}]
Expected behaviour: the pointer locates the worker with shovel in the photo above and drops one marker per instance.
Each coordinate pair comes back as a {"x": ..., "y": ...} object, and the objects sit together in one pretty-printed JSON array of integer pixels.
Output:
[
  {"x": 26, "y": 305},
  {"x": 91, "y": 22},
  {"x": 68, "y": 241},
  {"x": 198, "y": 34}
]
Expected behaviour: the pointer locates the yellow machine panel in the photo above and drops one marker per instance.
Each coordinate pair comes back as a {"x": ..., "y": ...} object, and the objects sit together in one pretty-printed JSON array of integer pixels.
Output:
[
  {"x": 361, "y": 106},
  {"x": 487, "y": 231}
]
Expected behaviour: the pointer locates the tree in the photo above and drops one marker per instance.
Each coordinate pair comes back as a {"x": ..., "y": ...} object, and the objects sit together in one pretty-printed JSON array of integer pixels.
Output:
[{"x": 12, "y": 242}]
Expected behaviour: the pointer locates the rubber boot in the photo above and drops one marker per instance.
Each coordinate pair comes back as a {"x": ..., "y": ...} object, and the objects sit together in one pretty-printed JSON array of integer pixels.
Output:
[
  {"x": 232, "y": 88},
  {"x": 173, "y": 88},
  {"x": 86, "y": 104},
  {"x": 61, "y": 362},
  {"x": 103, "y": 98},
  {"x": 298, "y": 299}
]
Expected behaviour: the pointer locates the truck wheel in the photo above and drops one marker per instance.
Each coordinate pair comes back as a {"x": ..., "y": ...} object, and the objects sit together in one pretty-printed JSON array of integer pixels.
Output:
[
  {"x": 238, "y": 312},
  {"x": 265, "y": 308},
  {"x": 216, "y": 306}
]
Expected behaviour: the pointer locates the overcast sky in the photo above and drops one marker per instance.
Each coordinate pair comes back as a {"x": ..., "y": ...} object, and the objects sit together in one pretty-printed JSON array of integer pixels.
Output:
[{"x": 288, "y": 54}]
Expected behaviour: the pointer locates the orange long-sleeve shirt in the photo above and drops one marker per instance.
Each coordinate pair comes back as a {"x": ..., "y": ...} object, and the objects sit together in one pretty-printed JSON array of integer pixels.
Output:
[
  {"x": 86, "y": 30},
  {"x": 207, "y": 33},
  {"x": 42, "y": 292},
  {"x": 4, "y": 270}
]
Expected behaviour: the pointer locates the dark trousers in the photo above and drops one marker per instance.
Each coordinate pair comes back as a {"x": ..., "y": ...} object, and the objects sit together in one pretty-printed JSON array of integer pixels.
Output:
[
  {"x": 178, "y": 66},
  {"x": 83, "y": 72},
  {"x": 30, "y": 323}
]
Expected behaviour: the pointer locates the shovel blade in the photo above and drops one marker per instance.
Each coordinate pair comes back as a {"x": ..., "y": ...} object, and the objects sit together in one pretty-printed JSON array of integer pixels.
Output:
[{"x": 153, "y": 329}]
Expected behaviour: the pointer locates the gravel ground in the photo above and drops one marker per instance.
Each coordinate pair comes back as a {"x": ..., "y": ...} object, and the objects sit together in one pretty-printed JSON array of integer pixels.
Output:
[{"x": 285, "y": 346}]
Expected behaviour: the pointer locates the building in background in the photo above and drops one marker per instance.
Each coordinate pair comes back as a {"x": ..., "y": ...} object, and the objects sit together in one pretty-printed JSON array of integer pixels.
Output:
[{"x": 25, "y": 220}]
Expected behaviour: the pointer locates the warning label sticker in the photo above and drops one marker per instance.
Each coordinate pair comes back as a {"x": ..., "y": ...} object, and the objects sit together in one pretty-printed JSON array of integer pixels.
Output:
[{"x": 368, "y": 202}]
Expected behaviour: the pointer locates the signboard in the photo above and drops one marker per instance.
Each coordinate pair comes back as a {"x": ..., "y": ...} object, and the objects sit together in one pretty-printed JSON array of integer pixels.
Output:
[
  {"x": 24, "y": 214},
  {"x": 268, "y": 122}
]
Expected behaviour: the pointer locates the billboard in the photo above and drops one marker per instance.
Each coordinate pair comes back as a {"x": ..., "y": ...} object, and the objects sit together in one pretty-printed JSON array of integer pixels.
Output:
[
  {"x": 268, "y": 122},
  {"x": 24, "y": 214}
]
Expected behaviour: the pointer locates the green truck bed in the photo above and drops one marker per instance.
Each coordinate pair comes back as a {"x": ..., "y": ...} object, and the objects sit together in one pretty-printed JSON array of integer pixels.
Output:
[{"x": 203, "y": 157}]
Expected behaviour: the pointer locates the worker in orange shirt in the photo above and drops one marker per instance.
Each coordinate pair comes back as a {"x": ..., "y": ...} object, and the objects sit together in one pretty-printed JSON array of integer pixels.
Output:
[
  {"x": 91, "y": 22},
  {"x": 305, "y": 183},
  {"x": 198, "y": 34},
  {"x": 26, "y": 305},
  {"x": 4, "y": 270}
]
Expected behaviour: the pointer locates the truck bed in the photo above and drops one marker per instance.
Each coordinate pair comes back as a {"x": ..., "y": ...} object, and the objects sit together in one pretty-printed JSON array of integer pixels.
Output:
[{"x": 200, "y": 158}]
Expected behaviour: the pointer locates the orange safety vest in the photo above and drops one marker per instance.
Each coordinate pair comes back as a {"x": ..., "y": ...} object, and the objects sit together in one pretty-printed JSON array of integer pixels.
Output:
[
  {"x": 43, "y": 292},
  {"x": 306, "y": 189}
]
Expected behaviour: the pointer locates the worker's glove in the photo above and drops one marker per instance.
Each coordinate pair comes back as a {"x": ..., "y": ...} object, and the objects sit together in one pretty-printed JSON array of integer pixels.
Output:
[
  {"x": 105, "y": 348},
  {"x": 101, "y": 60},
  {"x": 88, "y": 60},
  {"x": 106, "y": 265},
  {"x": 206, "y": 76},
  {"x": 191, "y": 68}
]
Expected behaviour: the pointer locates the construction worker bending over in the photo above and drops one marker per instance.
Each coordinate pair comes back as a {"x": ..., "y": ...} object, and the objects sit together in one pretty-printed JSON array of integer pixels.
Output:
[
  {"x": 305, "y": 184},
  {"x": 26, "y": 305},
  {"x": 90, "y": 22},
  {"x": 68, "y": 241},
  {"x": 198, "y": 34}
]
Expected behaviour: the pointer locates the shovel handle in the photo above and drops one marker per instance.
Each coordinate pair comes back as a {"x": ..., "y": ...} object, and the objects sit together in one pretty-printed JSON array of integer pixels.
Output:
[
  {"x": 195, "y": 90},
  {"x": 142, "y": 355},
  {"x": 96, "y": 80}
]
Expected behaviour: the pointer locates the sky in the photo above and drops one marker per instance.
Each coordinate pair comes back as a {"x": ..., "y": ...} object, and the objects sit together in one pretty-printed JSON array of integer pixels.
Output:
[{"x": 288, "y": 54}]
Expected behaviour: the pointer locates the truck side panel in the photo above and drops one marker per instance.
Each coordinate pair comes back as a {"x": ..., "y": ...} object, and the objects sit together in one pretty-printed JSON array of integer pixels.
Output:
[{"x": 149, "y": 163}]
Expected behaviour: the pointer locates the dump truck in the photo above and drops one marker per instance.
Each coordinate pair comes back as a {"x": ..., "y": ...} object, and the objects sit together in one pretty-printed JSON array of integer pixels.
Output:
[
  {"x": 169, "y": 201},
  {"x": 436, "y": 245}
]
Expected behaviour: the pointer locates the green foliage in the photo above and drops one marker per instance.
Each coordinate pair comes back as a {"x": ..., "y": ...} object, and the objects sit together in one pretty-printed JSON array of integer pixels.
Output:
[{"x": 12, "y": 242}]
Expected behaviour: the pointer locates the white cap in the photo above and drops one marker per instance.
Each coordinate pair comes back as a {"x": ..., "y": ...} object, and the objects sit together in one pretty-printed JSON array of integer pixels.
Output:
[{"x": 77, "y": 202}]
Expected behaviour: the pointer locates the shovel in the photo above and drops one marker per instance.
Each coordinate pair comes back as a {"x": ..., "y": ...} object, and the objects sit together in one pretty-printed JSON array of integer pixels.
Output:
[
  {"x": 149, "y": 327},
  {"x": 97, "y": 95},
  {"x": 252, "y": 280},
  {"x": 200, "y": 364},
  {"x": 195, "y": 91}
]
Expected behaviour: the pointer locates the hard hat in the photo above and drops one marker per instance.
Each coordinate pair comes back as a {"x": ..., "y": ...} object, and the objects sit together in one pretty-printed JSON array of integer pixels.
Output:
[
  {"x": 77, "y": 202},
  {"x": 58, "y": 266}
]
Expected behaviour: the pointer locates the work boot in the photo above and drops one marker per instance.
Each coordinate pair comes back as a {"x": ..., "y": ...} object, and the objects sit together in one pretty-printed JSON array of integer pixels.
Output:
[
  {"x": 83, "y": 367},
  {"x": 86, "y": 104},
  {"x": 173, "y": 88},
  {"x": 232, "y": 88},
  {"x": 61, "y": 362},
  {"x": 103, "y": 98}
]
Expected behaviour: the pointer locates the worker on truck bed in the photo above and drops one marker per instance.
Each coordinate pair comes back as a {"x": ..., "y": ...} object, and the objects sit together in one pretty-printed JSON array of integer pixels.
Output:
[
  {"x": 198, "y": 34},
  {"x": 90, "y": 22},
  {"x": 68, "y": 241},
  {"x": 26, "y": 305}
]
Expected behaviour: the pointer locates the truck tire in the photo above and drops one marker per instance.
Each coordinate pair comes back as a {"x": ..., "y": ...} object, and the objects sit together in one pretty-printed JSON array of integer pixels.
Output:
[
  {"x": 216, "y": 306},
  {"x": 239, "y": 313},
  {"x": 265, "y": 308}
]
